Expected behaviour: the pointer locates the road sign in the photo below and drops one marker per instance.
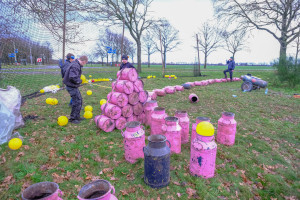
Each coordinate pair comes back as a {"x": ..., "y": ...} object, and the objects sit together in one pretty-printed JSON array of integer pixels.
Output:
[
  {"x": 39, "y": 60},
  {"x": 16, "y": 51},
  {"x": 11, "y": 55}
]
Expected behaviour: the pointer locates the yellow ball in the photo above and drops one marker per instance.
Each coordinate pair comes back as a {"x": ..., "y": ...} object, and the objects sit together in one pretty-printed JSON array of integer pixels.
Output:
[
  {"x": 148, "y": 77},
  {"x": 49, "y": 101},
  {"x": 205, "y": 129},
  {"x": 89, "y": 92},
  {"x": 88, "y": 114},
  {"x": 88, "y": 108},
  {"x": 175, "y": 77},
  {"x": 62, "y": 120},
  {"x": 54, "y": 101},
  {"x": 42, "y": 91},
  {"x": 82, "y": 77},
  {"x": 57, "y": 86},
  {"x": 15, "y": 143},
  {"x": 154, "y": 76},
  {"x": 102, "y": 101},
  {"x": 90, "y": 76}
]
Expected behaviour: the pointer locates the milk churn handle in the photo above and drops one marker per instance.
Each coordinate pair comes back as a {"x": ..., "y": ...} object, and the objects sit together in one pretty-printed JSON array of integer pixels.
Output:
[
  {"x": 113, "y": 189},
  {"x": 169, "y": 143}
]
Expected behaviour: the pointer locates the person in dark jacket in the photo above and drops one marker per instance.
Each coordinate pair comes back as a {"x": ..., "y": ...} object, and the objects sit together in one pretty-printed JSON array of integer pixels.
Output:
[
  {"x": 72, "y": 81},
  {"x": 125, "y": 63},
  {"x": 231, "y": 66},
  {"x": 64, "y": 67}
]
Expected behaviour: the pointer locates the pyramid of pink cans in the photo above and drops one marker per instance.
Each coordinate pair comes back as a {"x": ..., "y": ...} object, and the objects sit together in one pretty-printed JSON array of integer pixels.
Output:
[{"x": 125, "y": 102}]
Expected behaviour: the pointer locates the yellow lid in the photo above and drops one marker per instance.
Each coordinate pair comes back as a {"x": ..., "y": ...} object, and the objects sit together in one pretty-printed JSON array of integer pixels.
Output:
[{"x": 205, "y": 129}]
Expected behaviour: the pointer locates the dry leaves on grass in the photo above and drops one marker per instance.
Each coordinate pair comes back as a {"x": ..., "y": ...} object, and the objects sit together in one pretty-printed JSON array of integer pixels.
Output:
[
  {"x": 20, "y": 154},
  {"x": 191, "y": 193}
]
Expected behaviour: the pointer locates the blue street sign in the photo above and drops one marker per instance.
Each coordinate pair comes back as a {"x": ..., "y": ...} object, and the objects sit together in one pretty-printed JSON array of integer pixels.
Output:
[
  {"x": 114, "y": 51},
  {"x": 109, "y": 51},
  {"x": 16, "y": 50},
  {"x": 11, "y": 55}
]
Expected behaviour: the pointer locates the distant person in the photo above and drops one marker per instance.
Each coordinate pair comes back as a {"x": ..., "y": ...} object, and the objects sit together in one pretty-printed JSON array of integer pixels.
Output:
[
  {"x": 125, "y": 63},
  {"x": 70, "y": 58},
  {"x": 231, "y": 66},
  {"x": 72, "y": 81}
]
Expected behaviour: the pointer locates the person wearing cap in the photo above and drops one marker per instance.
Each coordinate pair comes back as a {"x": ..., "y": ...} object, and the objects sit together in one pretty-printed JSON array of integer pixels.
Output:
[
  {"x": 70, "y": 58},
  {"x": 125, "y": 63},
  {"x": 231, "y": 66},
  {"x": 72, "y": 81}
]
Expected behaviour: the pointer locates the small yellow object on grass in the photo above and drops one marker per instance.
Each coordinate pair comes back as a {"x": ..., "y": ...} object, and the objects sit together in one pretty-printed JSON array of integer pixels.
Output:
[
  {"x": 88, "y": 114},
  {"x": 42, "y": 91},
  {"x": 54, "y": 101},
  {"x": 49, "y": 101},
  {"x": 90, "y": 76},
  {"x": 62, "y": 120},
  {"x": 88, "y": 108},
  {"x": 102, "y": 101},
  {"x": 15, "y": 143},
  {"x": 205, "y": 129},
  {"x": 89, "y": 92}
]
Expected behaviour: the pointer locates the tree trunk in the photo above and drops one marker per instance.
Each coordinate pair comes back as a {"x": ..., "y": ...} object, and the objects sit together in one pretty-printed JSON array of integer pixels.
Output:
[
  {"x": 205, "y": 60},
  {"x": 139, "y": 57},
  {"x": 148, "y": 57},
  {"x": 165, "y": 57},
  {"x": 283, "y": 47}
]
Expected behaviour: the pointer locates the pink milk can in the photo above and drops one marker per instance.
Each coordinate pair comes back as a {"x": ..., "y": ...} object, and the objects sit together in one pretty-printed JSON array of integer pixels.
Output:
[
  {"x": 184, "y": 122},
  {"x": 152, "y": 95},
  {"x": 42, "y": 191},
  {"x": 179, "y": 87},
  {"x": 127, "y": 111},
  {"x": 142, "y": 118},
  {"x": 134, "y": 141},
  {"x": 226, "y": 129},
  {"x": 148, "y": 109},
  {"x": 119, "y": 99},
  {"x": 143, "y": 96},
  {"x": 138, "y": 85},
  {"x": 191, "y": 83},
  {"x": 203, "y": 156},
  {"x": 160, "y": 92},
  {"x": 169, "y": 90},
  {"x": 111, "y": 110},
  {"x": 193, "y": 98},
  {"x": 157, "y": 120},
  {"x": 133, "y": 98},
  {"x": 124, "y": 86},
  {"x": 97, "y": 190},
  {"x": 105, "y": 123},
  {"x": 198, "y": 120},
  {"x": 121, "y": 123},
  {"x": 198, "y": 83},
  {"x": 128, "y": 74},
  {"x": 172, "y": 131},
  {"x": 138, "y": 109}
]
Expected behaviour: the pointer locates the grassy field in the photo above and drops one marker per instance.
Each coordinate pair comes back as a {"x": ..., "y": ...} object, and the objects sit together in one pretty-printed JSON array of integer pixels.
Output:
[{"x": 263, "y": 163}]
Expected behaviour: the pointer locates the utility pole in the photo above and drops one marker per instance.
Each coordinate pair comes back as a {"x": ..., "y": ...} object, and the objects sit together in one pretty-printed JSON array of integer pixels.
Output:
[
  {"x": 15, "y": 52},
  {"x": 198, "y": 54}
]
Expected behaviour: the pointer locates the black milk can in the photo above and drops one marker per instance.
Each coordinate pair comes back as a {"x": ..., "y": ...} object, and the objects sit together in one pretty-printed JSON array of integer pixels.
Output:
[{"x": 157, "y": 162}]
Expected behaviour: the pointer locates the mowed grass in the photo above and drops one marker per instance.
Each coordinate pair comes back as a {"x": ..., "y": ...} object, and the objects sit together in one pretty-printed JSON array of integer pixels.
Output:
[{"x": 263, "y": 163}]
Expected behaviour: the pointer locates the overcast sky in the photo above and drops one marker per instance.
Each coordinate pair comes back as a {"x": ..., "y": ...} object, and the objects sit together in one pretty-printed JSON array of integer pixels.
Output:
[{"x": 187, "y": 16}]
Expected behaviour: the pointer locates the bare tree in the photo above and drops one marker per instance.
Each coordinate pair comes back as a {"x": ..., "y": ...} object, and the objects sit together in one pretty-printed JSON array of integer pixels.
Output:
[
  {"x": 149, "y": 46},
  {"x": 100, "y": 51},
  {"x": 134, "y": 13},
  {"x": 235, "y": 41},
  {"x": 281, "y": 19},
  {"x": 209, "y": 40},
  {"x": 296, "y": 44},
  {"x": 169, "y": 38},
  {"x": 60, "y": 17}
]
